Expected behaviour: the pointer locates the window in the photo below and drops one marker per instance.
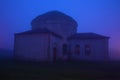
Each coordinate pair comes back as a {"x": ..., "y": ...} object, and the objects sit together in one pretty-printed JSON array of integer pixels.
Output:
[
  {"x": 77, "y": 49},
  {"x": 64, "y": 49},
  {"x": 54, "y": 53},
  {"x": 87, "y": 49}
]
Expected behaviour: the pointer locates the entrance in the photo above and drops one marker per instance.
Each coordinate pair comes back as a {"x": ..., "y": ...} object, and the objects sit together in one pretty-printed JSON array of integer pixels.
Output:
[{"x": 54, "y": 54}]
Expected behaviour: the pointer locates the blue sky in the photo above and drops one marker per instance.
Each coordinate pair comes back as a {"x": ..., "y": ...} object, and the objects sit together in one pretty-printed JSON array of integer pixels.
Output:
[{"x": 99, "y": 16}]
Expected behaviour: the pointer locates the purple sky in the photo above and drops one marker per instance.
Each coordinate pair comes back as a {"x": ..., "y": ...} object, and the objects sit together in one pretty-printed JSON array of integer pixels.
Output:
[{"x": 99, "y": 16}]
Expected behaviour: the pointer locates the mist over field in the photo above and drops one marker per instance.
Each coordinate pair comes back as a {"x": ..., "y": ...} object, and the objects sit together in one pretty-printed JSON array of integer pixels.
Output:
[{"x": 9, "y": 54}]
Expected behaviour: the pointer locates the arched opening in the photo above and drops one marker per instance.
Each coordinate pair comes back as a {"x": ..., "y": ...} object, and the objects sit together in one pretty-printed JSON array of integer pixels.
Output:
[
  {"x": 77, "y": 49},
  {"x": 54, "y": 53},
  {"x": 87, "y": 49},
  {"x": 65, "y": 49}
]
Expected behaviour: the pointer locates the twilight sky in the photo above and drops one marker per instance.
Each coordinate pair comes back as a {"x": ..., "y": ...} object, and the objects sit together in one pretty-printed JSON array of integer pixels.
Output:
[{"x": 99, "y": 16}]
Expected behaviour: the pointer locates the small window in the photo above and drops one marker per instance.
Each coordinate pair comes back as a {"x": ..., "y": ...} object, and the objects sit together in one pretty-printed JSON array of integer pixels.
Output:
[
  {"x": 64, "y": 49},
  {"x": 87, "y": 49},
  {"x": 77, "y": 49}
]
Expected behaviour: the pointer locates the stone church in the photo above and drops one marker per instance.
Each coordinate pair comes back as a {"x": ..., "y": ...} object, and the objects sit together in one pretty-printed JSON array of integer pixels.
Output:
[{"x": 54, "y": 37}]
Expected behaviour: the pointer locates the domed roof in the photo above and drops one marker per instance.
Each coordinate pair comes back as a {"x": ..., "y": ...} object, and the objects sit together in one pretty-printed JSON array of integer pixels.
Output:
[{"x": 53, "y": 16}]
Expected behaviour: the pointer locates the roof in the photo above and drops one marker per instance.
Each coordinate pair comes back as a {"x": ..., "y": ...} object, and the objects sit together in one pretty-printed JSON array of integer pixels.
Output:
[
  {"x": 38, "y": 31},
  {"x": 87, "y": 36},
  {"x": 52, "y": 16}
]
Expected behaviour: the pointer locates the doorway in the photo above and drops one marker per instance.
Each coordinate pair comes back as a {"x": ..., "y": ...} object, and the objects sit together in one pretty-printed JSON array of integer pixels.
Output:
[
  {"x": 54, "y": 54},
  {"x": 64, "y": 49}
]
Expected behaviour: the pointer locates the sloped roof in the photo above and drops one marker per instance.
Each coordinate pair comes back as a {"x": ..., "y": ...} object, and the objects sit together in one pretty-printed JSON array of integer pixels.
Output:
[
  {"x": 87, "y": 36},
  {"x": 38, "y": 31}
]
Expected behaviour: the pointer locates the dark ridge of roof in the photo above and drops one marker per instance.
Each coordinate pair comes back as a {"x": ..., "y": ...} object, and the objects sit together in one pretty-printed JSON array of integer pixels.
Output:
[
  {"x": 53, "y": 15},
  {"x": 38, "y": 31},
  {"x": 87, "y": 36}
]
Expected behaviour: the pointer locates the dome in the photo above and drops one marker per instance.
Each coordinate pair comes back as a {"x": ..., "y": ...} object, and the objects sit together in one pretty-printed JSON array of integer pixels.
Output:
[{"x": 53, "y": 17}]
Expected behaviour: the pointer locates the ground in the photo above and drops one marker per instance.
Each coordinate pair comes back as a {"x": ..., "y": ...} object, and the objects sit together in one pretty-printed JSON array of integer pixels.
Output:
[{"x": 82, "y": 70}]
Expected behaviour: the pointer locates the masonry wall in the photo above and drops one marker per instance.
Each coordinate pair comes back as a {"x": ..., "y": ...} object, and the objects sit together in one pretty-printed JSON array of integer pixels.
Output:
[
  {"x": 31, "y": 47},
  {"x": 62, "y": 28},
  {"x": 55, "y": 42},
  {"x": 99, "y": 49}
]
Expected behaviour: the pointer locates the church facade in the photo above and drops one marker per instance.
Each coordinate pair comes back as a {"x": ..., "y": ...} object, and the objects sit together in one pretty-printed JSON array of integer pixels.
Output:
[{"x": 54, "y": 37}]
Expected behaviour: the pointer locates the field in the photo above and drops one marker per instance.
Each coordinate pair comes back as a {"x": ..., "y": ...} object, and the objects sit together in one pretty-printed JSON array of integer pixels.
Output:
[{"x": 19, "y": 70}]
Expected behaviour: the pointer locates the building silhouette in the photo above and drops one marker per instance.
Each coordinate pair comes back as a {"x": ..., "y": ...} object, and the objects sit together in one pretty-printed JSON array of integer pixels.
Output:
[{"x": 54, "y": 37}]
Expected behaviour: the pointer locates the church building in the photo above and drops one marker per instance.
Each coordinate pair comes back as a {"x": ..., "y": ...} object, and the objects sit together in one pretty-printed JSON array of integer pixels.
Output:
[{"x": 53, "y": 36}]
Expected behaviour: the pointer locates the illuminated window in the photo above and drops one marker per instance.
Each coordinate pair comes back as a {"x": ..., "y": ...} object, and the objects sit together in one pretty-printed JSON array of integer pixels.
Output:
[
  {"x": 77, "y": 49},
  {"x": 64, "y": 49},
  {"x": 87, "y": 49}
]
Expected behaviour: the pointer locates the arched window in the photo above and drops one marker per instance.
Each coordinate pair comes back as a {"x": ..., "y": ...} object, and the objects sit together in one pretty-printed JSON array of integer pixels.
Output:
[
  {"x": 87, "y": 49},
  {"x": 64, "y": 49},
  {"x": 54, "y": 53},
  {"x": 77, "y": 49}
]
